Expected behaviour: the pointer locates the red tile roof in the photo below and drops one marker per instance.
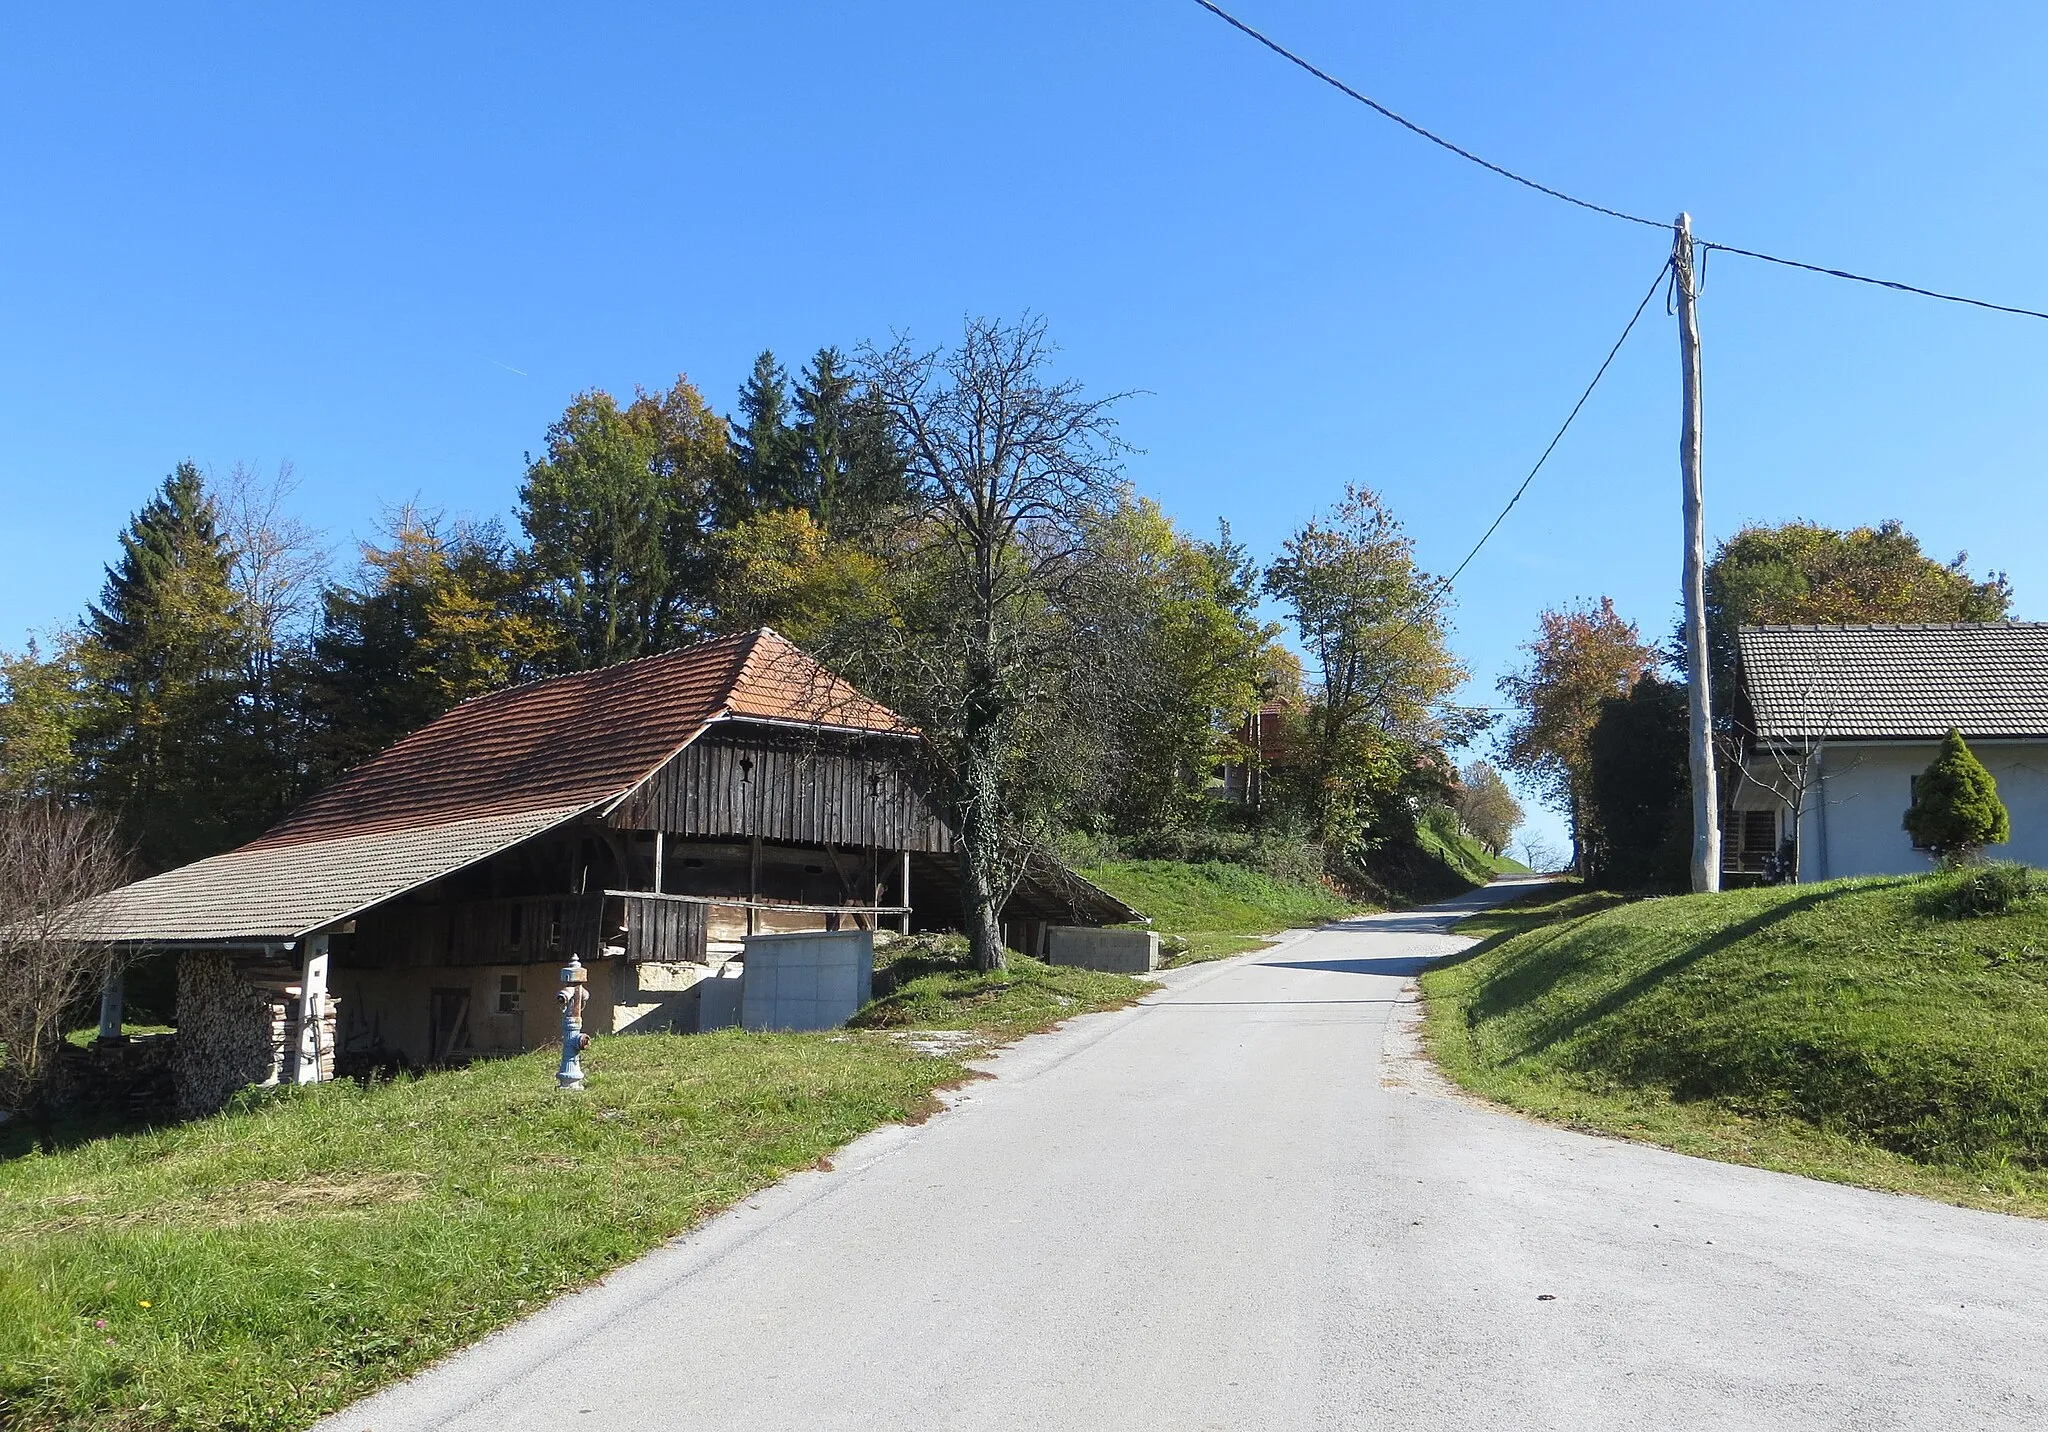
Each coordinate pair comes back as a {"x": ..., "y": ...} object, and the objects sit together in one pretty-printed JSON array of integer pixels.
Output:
[{"x": 574, "y": 741}]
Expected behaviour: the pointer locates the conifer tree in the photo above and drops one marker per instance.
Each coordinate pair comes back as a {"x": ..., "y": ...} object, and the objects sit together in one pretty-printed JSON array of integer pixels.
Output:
[
  {"x": 1956, "y": 810},
  {"x": 165, "y": 747},
  {"x": 766, "y": 449},
  {"x": 854, "y": 473}
]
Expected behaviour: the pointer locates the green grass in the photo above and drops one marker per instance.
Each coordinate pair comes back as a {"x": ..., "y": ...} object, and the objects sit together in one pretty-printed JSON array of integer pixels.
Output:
[
  {"x": 1213, "y": 910},
  {"x": 263, "y": 1267},
  {"x": 1466, "y": 856},
  {"x": 1847, "y": 1031}
]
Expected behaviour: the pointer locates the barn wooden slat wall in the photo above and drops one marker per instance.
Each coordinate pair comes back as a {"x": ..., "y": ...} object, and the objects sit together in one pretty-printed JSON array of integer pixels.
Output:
[
  {"x": 665, "y": 930},
  {"x": 765, "y": 783},
  {"x": 527, "y": 930}
]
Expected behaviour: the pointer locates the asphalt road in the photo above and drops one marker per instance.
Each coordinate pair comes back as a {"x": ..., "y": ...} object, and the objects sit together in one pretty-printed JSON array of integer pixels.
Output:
[{"x": 1238, "y": 1206}]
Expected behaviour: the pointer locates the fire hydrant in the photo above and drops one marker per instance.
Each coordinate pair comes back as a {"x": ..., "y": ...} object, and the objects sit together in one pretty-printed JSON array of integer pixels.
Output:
[{"x": 573, "y": 994}]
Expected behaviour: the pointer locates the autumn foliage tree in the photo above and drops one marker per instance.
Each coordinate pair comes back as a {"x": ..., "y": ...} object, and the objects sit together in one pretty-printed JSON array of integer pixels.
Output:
[
  {"x": 1486, "y": 806},
  {"x": 1582, "y": 655}
]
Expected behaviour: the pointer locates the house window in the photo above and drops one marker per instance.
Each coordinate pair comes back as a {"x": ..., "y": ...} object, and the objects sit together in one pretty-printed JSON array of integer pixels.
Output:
[{"x": 508, "y": 994}]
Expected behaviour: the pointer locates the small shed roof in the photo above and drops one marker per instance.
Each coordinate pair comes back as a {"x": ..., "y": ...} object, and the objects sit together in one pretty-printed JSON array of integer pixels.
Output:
[
  {"x": 1899, "y": 681},
  {"x": 494, "y": 771}
]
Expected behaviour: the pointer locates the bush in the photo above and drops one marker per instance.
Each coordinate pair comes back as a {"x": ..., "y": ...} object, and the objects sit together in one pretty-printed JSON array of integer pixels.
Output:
[
  {"x": 1955, "y": 807},
  {"x": 1993, "y": 889}
]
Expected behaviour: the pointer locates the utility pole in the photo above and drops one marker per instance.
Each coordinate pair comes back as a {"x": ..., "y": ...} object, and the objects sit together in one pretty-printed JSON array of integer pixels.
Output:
[{"x": 1706, "y": 823}]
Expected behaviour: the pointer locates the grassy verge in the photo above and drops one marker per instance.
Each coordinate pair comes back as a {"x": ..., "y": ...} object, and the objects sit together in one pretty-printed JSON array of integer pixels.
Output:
[
  {"x": 261, "y": 1268},
  {"x": 1211, "y": 910},
  {"x": 1852, "y": 1031}
]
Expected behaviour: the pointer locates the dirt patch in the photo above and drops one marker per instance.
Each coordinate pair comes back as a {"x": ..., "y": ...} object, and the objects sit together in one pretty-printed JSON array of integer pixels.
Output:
[{"x": 260, "y": 1202}]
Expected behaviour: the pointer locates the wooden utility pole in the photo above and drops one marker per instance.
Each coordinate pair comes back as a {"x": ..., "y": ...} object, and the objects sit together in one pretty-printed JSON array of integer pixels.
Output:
[{"x": 1706, "y": 821}]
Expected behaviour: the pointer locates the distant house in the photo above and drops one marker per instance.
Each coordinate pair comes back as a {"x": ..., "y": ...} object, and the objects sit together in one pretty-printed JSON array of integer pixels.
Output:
[
  {"x": 1259, "y": 748},
  {"x": 645, "y": 818},
  {"x": 1853, "y": 715}
]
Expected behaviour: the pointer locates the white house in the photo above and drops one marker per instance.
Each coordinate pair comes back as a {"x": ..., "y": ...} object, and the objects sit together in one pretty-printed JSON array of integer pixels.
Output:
[{"x": 1842, "y": 720}]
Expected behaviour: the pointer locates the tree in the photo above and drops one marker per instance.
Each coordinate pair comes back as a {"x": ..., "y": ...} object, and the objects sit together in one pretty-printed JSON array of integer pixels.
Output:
[
  {"x": 621, "y": 514},
  {"x": 1180, "y": 616},
  {"x": 1009, "y": 462},
  {"x": 767, "y": 451},
  {"x": 782, "y": 570},
  {"x": 276, "y": 564},
  {"x": 853, "y": 473},
  {"x": 53, "y": 859},
  {"x": 1956, "y": 810},
  {"x": 1381, "y": 676},
  {"x": 42, "y": 707},
  {"x": 1801, "y": 572},
  {"x": 1487, "y": 807},
  {"x": 439, "y": 612},
  {"x": 1639, "y": 789},
  {"x": 1582, "y": 655},
  {"x": 166, "y": 749}
]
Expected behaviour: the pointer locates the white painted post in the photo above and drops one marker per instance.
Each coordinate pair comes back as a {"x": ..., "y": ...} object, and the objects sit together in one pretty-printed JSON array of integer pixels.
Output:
[
  {"x": 112, "y": 997},
  {"x": 312, "y": 1010},
  {"x": 903, "y": 897}
]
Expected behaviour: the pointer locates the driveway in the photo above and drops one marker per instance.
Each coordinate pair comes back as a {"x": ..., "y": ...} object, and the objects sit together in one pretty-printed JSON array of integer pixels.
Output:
[{"x": 1237, "y": 1205}]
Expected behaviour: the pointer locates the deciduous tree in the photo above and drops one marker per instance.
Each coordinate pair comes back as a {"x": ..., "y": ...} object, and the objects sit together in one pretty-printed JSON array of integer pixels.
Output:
[
  {"x": 620, "y": 512},
  {"x": 1582, "y": 655},
  {"x": 1009, "y": 463},
  {"x": 1487, "y": 807}
]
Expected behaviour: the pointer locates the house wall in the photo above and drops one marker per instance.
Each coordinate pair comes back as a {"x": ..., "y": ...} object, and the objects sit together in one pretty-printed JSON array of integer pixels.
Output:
[{"x": 1854, "y": 825}]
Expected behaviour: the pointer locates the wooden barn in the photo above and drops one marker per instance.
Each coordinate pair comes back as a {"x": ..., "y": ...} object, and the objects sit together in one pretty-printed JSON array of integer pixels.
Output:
[{"x": 645, "y": 818}]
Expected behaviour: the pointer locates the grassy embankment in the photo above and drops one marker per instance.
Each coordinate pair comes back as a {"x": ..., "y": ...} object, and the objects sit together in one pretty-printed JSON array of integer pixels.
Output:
[
  {"x": 1213, "y": 909},
  {"x": 1208, "y": 910},
  {"x": 1858, "y": 1031},
  {"x": 263, "y": 1267}
]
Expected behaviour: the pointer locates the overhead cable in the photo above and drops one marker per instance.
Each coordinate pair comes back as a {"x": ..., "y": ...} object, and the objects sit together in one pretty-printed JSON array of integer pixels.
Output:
[
  {"x": 1329, "y": 79},
  {"x": 1562, "y": 429},
  {"x": 1437, "y": 139}
]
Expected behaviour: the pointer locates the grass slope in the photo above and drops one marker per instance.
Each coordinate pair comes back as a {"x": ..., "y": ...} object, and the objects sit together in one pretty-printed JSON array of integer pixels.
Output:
[
  {"x": 1214, "y": 908},
  {"x": 1849, "y": 1031},
  {"x": 258, "y": 1269}
]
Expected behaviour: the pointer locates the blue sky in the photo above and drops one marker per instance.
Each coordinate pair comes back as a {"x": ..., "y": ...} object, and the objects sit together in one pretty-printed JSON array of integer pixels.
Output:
[{"x": 331, "y": 236}]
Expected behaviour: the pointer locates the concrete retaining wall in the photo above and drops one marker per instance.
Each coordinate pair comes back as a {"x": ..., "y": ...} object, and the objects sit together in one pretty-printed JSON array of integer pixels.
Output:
[
  {"x": 1122, "y": 952},
  {"x": 806, "y": 981}
]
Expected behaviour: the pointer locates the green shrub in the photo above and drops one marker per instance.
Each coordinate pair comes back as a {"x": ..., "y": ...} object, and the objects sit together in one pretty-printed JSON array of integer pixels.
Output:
[
  {"x": 1955, "y": 807},
  {"x": 1992, "y": 889}
]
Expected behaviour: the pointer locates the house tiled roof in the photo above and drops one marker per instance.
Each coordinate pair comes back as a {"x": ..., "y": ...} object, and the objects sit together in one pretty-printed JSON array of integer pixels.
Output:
[
  {"x": 1898, "y": 681},
  {"x": 496, "y": 770}
]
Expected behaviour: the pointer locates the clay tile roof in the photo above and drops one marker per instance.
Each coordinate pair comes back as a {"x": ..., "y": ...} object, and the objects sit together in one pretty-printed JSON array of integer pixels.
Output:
[
  {"x": 580, "y": 739},
  {"x": 1897, "y": 680}
]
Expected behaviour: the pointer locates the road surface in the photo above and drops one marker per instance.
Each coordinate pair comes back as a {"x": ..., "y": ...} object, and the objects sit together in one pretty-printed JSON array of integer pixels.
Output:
[{"x": 1228, "y": 1207}]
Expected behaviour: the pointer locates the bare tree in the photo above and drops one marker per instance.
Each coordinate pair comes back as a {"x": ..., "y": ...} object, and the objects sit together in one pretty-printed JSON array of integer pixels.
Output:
[
  {"x": 1009, "y": 463},
  {"x": 54, "y": 859},
  {"x": 1790, "y": 768}
]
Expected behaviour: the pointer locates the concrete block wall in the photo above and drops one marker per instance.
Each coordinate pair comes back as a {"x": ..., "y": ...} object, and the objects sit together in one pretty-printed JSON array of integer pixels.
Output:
[
  {"x": 1123, "y": 952},
  {"x": 806, "y": 981}
]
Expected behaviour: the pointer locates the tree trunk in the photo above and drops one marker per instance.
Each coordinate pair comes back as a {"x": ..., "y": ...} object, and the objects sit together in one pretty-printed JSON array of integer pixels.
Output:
[{"x": 981, "y": 855}]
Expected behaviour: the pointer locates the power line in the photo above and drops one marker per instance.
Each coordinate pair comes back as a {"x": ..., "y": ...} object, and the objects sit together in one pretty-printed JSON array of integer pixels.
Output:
[
  {"x": 1557, "y": 437},
  {"x": 1875, "y": 282},
  {"x": 1443, "y": 587},
  {"x": 1329, "y": 79},
  {"x": 1437, "y": 139}
]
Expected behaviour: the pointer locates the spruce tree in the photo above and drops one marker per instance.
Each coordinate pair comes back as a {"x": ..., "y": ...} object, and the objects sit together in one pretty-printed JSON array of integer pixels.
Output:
[
  {"x": 854, "y": 471},
  {"x": 166, "y": 750},
  {"x": 1956, "y": 810},
  {"x": 766, "y": 448}
]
